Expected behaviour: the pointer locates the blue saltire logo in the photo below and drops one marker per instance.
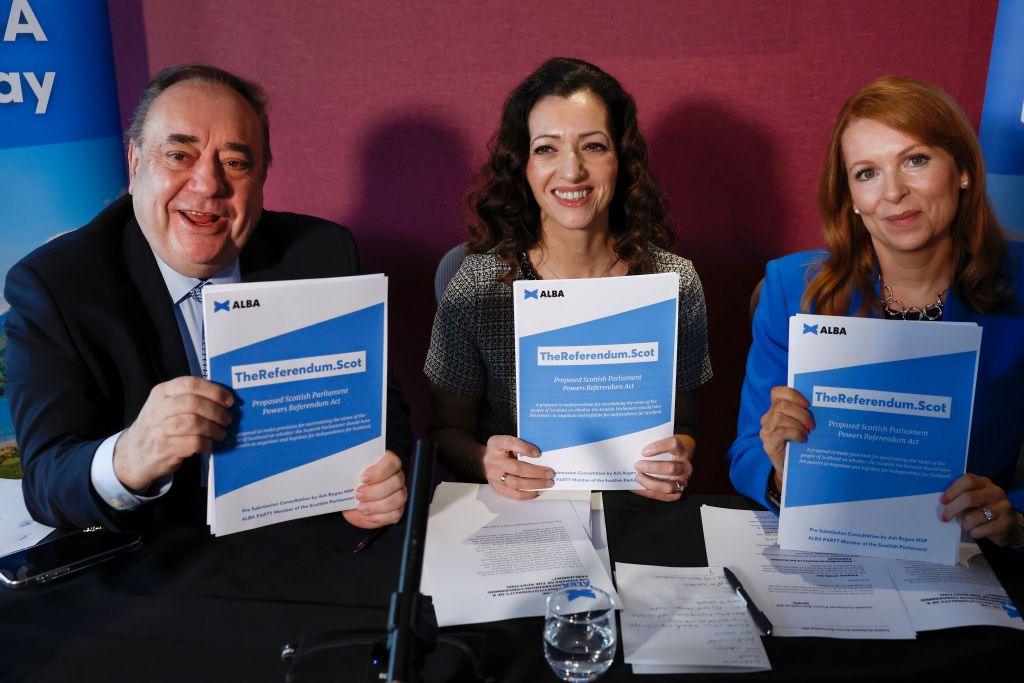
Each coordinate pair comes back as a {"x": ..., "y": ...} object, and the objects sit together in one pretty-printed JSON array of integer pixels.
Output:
[
  {"x": 221, "y": 306},
  {"x": 530, "y": 293},
  {"x": 810, "y": 329},
  {"x": 580, "y": 593}
]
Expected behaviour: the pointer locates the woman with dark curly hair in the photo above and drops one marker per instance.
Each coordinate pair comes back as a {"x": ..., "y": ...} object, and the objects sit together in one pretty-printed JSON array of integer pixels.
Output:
[{"x": 567, "y": 193}]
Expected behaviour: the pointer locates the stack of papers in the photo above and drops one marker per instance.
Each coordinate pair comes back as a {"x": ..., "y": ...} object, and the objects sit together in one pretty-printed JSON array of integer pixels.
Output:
[
  {"x": 685, "y": 620},
  {"x": 489, "y": 558},
  {"x": 17, "y": 528},
  {"x": 307, "y": 362},
  {"x": 845, "y": 596},
  {"x": 595, "y": 374},
  {"x": 892, "y": 404}
]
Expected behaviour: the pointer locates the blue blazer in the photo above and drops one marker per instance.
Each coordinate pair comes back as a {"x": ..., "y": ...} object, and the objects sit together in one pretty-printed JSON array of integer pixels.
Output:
[{"x": 998, "y": 425}]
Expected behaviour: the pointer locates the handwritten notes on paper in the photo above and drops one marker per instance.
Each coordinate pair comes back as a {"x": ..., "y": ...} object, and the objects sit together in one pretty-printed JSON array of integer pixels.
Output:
[{"x": 685, "y": 620}]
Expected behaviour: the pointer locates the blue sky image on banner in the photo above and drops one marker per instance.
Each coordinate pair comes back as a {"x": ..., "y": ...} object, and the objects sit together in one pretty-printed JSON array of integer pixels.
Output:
[
  {"x": 61, "y": 158},
  {"x": 1002, "y": 119}
]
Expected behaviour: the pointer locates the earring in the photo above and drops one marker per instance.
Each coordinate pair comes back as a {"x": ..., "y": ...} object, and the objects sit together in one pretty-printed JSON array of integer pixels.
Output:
[
  {"x": 856, "y": 210},
  {"x": 964, "y": 182}
]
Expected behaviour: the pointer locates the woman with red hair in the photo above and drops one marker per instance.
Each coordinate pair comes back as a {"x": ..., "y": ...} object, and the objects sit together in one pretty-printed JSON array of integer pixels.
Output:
[{"x": 910, "y": 235}]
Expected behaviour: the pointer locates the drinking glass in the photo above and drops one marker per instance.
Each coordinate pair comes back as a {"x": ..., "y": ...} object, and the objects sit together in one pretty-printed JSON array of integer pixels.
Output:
[{"x": 579, "y": 633}]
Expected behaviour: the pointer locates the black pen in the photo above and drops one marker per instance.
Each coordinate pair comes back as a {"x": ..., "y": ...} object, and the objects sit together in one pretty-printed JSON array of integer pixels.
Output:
[
  {"x": 370, "y": 538},
  {"x": 759, "y": 618}
]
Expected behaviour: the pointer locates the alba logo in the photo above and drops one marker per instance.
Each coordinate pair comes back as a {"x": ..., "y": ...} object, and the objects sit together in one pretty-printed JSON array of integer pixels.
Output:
[
  {"x": 543, "y": 293},
  {"x": 234, "y": 305},
  {"x": 813, "y": 329}
]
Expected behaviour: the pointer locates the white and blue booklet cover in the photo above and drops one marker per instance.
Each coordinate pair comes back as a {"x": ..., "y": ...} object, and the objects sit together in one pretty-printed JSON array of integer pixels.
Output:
[
  {"x": 892, "y": 403},
  {"x": 307, "y": 362},
  {"x": 595, "y": 373}
]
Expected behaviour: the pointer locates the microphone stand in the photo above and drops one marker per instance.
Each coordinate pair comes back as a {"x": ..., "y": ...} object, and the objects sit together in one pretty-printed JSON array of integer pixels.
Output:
[{"x": 398, "y": 655}]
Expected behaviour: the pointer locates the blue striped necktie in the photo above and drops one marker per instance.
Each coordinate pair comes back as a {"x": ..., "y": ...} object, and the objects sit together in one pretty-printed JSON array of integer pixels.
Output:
[{"x": 196, "y": 294}]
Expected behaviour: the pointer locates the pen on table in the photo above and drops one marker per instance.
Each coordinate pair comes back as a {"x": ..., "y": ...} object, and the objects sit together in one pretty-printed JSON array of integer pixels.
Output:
[
  {"x": 370, "y": 538},
  {"x": 759, "y": 618}
]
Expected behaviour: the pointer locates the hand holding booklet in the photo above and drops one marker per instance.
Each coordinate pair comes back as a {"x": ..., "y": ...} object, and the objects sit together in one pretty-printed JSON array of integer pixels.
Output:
[
  {"x": 595, "y": 374},
  {"x": 307, "y": 362},
  {"x": 892, "y": 403}
]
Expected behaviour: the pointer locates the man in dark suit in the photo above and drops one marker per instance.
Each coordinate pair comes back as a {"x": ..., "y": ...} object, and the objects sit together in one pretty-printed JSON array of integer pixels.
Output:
[{"x": 104, "y": 356}]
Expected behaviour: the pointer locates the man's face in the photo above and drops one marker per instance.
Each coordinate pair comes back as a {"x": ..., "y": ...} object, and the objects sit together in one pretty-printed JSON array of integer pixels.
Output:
[{"x": 197, "y": 177}]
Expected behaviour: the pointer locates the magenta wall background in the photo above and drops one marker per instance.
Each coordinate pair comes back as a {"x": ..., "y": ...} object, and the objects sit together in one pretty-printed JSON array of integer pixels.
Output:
[{"x": 382, "y": 110}]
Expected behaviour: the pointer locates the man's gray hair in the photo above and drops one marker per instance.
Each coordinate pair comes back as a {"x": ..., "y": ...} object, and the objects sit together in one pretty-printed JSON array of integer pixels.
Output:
[{"x": 251, "y": 92}]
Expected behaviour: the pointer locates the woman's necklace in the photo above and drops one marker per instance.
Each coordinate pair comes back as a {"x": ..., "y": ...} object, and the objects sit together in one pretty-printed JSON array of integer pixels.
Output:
[
  {"x": 611, "y": 262},
  {"x": 896, "y": 308}
]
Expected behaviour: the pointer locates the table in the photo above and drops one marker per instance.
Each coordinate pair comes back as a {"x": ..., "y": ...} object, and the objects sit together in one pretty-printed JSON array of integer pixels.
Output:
[{"x": 189, "y": 607}]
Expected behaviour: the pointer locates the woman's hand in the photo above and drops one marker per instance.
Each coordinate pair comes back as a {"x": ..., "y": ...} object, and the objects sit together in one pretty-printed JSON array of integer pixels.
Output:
[
  {"x": 508, "y": 475},
  {"x": 670, "y": 476},
  {"x": 984, "y": 510},
  {"x": 787, "y": 419}
]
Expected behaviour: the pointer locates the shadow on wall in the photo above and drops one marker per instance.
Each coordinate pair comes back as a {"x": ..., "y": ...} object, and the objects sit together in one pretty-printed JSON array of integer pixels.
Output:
[
  {"x": 718, "y": 169},
  {"x": 131, "y": 56},
  {"x": 416, "y": 170}
]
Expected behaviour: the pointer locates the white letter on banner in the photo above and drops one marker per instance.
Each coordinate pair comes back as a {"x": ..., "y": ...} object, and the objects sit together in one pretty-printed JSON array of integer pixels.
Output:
[
  {"x": 41, "y": 90},
  {"x": 13, "y": 81},
  {"x": 20, "y": 10}
]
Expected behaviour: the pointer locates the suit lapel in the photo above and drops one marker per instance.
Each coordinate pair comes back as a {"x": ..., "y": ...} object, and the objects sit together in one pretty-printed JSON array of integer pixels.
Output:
[
  {"x": 259, "y": 259},
  {"x": 151, "y": 308}
]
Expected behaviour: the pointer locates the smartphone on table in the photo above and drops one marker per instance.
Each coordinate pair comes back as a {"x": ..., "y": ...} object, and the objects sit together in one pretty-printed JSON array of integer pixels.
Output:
[{"x": 51, "y": 559}]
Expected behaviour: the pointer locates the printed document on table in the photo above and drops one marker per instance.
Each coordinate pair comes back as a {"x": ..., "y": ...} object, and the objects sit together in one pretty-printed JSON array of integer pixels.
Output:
[
  {"x": 17, "y": 528},
  {"x": 685, "y": 620},
  {"x": 966, "y": 594},
  {"x": 892, "y": 404},
  {"x": 805, "y": 593},
  {"x": 595, "y": 373},
  {"x": 307, "y": 363},
  {"x": 489, "y": 558}
]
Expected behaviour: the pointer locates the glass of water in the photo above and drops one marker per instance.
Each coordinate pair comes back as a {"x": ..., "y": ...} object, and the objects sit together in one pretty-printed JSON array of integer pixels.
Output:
[{"x": 579, "y": 633}]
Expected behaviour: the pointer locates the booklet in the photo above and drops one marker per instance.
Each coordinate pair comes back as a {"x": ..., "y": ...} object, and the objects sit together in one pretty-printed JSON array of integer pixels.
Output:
[
  {"x": 307, "y": 362},
  {"x": 892, "y": 403},
  {"x": 595, "y": 373}
]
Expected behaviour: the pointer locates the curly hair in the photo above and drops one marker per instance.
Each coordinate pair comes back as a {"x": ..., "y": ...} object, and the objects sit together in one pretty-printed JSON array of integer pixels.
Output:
[
  {"x": 504, "y": 216},
  {"x": 926, "y": 113}
]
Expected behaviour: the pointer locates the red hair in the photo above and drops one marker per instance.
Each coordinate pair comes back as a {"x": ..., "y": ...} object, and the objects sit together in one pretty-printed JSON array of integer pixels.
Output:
[{"x": 926, "y": 113}]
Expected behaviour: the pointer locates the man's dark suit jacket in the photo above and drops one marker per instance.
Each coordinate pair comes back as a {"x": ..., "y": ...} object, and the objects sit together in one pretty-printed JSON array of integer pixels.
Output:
[{"x": 91, "y": 330}]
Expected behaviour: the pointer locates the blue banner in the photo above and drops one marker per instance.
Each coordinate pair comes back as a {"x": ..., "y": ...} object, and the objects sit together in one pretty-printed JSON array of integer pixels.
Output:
[
  {"x": 61, "y": 158},
  {"x": 1002, "y": 119}
]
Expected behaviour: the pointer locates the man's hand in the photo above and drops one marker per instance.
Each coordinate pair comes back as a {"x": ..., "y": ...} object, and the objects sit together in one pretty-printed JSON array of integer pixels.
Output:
[
  {"x": 180, "y": 418},
  {"x": 381, "y": 496}
]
